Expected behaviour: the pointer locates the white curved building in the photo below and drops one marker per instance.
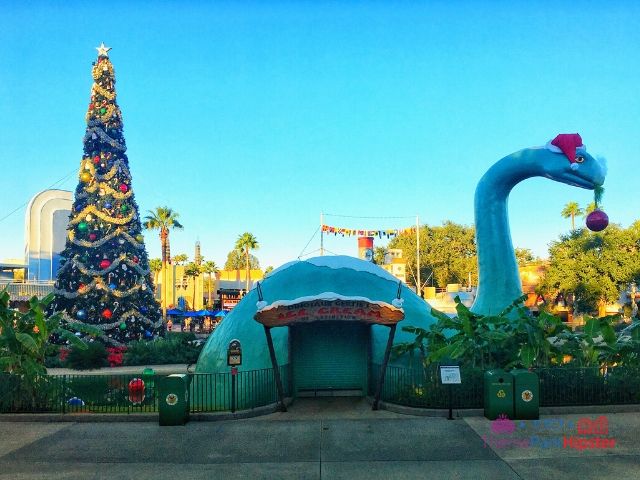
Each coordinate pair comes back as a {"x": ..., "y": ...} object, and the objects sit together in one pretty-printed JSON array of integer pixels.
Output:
[{"x": 46, "y": 222}]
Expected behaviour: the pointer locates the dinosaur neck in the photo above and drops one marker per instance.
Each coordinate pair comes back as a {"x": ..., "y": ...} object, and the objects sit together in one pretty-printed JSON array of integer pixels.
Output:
[{"x": 498, "y": 276}]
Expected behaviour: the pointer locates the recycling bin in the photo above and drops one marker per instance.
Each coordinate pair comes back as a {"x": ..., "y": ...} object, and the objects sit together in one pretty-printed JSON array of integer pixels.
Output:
[
  {"x": 173, "y": 399},
  {"x": 498, "y": 394},
  {"x": 526, "y": 394}
]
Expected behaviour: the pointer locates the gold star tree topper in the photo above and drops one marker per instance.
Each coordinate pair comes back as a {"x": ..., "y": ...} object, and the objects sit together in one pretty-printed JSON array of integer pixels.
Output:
[{"x": 103, "y": 51}]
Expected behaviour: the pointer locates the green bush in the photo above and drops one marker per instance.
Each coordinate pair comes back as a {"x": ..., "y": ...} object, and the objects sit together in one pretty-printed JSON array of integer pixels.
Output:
[
  {"x": 174, "y": 348},
  {"x": 94, "y": 356}
]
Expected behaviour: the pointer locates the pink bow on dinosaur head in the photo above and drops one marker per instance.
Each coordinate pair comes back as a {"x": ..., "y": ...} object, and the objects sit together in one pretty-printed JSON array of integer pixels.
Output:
[{"x": 567, "y": 143}]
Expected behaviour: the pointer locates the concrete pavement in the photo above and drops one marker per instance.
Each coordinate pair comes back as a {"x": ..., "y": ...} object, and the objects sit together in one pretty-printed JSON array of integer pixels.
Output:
[{"x": 329, "y": 438}]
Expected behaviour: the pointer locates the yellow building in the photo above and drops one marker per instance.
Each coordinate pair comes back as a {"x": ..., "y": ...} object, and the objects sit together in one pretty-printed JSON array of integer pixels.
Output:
[
  {"x": 395, "y": 265},
  {"x": 230, "y": 284},
  {"x": 179, "y": 285}
]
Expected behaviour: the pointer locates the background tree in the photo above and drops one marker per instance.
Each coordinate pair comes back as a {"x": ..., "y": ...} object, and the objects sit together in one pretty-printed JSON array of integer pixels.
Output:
[
  {"x": 447, "y": 253},
  {"x": 588, "y": 209},
  {"x": 210, "y": 268},
  {"x": 268, "y": 270},
  {"x": 104, "y": 278},
  {"x": 163, "y": 219},
  {"x": 571, "y": 210},
  {"x": 155, "y": 264},
  {"x": 235, "y": 261},
  {"x": 524, "y": 255},
  {"x": 193, "y": 271},
  {"x": 245, "y": 243},
  {"x": 595, "y": 267},
  {"x": 180, "y": 259},
  {"x": 380, "y": 255}
]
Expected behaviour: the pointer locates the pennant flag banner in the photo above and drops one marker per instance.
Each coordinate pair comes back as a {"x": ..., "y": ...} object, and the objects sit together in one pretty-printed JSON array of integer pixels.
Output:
[{"x": 368, "y": 233}]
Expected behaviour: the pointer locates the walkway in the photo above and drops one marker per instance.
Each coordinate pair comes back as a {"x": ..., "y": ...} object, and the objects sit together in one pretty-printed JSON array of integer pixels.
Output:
[{"x": 329, "y": 438}]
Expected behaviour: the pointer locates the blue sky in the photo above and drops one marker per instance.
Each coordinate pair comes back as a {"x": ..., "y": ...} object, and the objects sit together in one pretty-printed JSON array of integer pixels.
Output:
[{"x": 257, "y": 116}]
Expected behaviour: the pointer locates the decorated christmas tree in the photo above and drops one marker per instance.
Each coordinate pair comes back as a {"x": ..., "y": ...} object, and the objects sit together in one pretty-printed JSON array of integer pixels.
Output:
[{"x": 104, "y": 279}]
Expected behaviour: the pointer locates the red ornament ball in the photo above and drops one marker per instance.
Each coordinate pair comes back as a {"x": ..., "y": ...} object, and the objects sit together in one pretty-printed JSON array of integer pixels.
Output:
[
  {"x": 136, "y": 391},
  {"x": 136, "y": 385},
  {"x": 106, "y": 313},
  {"x": 597, "y": 221},
  {"x": 136, "y": 259},
  {"x": 92, "y": 236},
  {"x": 105, "y": 263},
  {"x": 124, "y": 187},
  {"x": 96, "y": 159}
]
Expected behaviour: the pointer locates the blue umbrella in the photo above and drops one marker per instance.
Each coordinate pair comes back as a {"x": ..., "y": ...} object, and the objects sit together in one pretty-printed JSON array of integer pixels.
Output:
[
  {"x": 175, "y": 311},
  {"x": 221, "y": 313}
]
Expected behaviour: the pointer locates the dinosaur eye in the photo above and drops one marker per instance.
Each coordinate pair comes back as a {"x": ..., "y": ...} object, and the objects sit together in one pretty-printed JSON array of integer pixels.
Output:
[{"x": 579, "y": 159}]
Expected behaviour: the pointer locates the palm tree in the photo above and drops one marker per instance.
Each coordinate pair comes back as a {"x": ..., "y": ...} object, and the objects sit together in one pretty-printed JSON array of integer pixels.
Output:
[
  {"x": 193, "y": 270},
  {"x": 209, "y": 267},
  {"x": 245, "y": 243},
  {"x": 163, "y": 219},
  {"x": 571, "y": 210},
  {"x": 589, "y": 208},
  {"x": 155, "y": 265},
  {"x": 180, "y": 259}
]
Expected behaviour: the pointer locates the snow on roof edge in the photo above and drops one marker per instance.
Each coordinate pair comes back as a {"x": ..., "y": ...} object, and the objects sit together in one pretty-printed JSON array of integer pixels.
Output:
[
  {"x": 341, "y": 261},
  {"x": 329, "y": 296}
]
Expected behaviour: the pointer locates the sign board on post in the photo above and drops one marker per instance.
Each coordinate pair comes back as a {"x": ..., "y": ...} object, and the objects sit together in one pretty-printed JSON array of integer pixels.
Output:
[
  {"x": 450, "y": 374},
  {"x": 234, "y": 353}
]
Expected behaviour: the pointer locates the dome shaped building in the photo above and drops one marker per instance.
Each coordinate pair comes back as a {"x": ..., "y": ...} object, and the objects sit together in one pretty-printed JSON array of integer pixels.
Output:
[{"x": 329, "y": 318}]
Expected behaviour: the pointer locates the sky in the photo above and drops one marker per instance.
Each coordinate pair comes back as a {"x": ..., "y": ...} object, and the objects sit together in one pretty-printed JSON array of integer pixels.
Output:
[{"x": 258, "y": 116}]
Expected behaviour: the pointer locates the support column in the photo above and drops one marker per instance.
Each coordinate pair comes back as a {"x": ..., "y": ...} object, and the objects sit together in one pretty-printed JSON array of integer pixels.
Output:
[
  {"x": 383, "y": 368},
  {"x": 276, "y": 369}
]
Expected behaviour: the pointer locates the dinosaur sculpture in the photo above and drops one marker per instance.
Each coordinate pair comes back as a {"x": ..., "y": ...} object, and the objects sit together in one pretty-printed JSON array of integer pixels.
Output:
[
  {"x": 498, "y": 277},
  {"x": 499, "y": 280}
]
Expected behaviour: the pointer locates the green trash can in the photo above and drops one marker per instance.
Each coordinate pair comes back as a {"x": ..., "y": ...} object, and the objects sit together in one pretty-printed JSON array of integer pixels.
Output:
[
  {"x": 173, "y": 399},
  {"x": 498, "y": 394},
  {"x": 526, "y": 394}
]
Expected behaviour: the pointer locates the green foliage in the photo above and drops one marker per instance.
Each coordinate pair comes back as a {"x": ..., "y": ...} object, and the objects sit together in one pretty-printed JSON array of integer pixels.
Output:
[
  {"x": 24, "y": 345},
  {"x": 380, "y": 255},
  {"x": 180, "y": 259},
  {"x": 174, "y": 348},
  {"x": 90, "y": 356},
  {"x": 236, "y": 261},
  {"x": 447, "y": 251},
  {"x": 595, "y": 267},
  {"x": 515, "y": 338},
  {"x": 524, "y": 256},
  {"x": 571, "y": 210},
  {"x": 24, "y": 337}
]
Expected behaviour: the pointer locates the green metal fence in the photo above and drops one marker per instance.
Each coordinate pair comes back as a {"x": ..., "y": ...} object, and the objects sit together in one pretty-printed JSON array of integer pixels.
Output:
[
  {"x": 126, "y": 394},
  {"x": 421, "y": 388}
]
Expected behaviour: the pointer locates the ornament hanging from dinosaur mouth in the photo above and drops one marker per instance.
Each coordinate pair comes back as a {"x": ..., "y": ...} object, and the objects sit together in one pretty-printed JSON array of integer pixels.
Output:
[
  {"x": 597, "y": 220},
  {"x": 567, "y": 143}
]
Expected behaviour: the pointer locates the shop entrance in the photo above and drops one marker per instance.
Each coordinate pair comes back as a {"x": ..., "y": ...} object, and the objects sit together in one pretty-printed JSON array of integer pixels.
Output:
[{"x": 330, "y": 358}]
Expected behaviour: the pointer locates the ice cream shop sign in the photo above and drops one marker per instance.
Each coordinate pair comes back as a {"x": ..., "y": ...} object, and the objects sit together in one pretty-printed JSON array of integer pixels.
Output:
[{"x": 352, "y": 309}]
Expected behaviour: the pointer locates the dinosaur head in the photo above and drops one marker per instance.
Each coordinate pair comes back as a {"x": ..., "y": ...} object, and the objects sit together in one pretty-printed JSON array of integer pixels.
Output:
[{"x": 565, "y": 159}]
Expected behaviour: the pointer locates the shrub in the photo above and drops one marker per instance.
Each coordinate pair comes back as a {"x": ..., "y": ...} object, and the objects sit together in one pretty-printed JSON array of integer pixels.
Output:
[
  {"x": 94, "y": 356},
  {"x": 175, "y": 348}
]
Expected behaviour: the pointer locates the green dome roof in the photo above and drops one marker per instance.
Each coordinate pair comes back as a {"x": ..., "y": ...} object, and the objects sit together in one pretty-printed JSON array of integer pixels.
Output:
[{"x": 343, "y": 275}]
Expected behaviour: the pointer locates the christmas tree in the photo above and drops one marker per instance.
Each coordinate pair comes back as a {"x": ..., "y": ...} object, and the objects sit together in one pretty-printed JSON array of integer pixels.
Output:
[{"x": 104, "y": 279}]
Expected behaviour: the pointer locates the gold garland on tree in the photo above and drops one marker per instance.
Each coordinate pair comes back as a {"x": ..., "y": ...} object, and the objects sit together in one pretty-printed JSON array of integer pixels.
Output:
[{"x": 103, "y": 216}]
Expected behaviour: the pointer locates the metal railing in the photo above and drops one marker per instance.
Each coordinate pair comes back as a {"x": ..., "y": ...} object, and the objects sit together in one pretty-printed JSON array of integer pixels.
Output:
[
  {"x": 25, "y": 290},
  {"x": 589, "y": 386},
  {"x": 117, "y": 393},
  {"x": 561, "y": 386}
]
